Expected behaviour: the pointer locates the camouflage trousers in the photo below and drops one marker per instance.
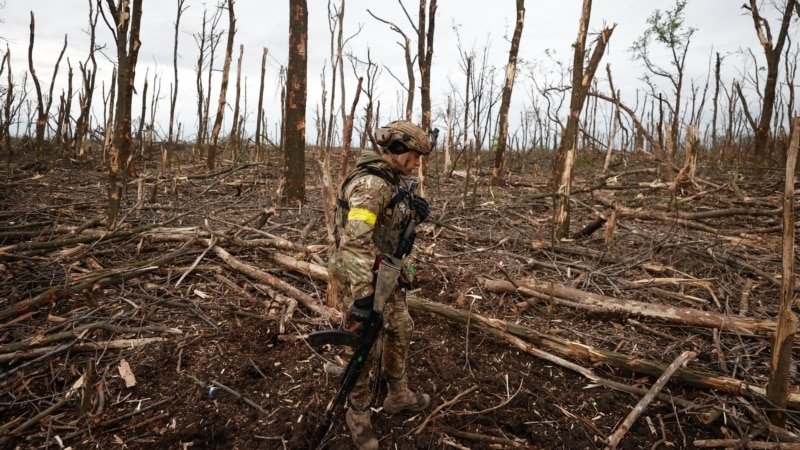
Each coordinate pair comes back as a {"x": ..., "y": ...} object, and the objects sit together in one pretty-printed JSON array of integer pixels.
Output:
[{"x": 391, "y": 347}]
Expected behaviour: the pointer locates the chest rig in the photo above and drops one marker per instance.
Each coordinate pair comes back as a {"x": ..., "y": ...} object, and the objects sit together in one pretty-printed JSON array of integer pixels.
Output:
[{"x": 391, "y": 222}]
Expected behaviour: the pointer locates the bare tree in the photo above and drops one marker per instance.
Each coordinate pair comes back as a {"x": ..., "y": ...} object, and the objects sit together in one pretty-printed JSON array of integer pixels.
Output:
[
  {"x": 581, "y": 81},
  {"x": 772, "y": 53},
  {"x": 223, "y": 89},
  {"x": 615, "y": 120},
  {"x": 42, "y": 104},
  {"x": 207, "y": 45},
  {"x": 260, "y": 113},
  {"x": 63, "y": 124},
  {"x": 201, "y": 39},
  {"x": 235, "y": 142},
  {"x": 336, "y": 26},
  {"x": 511, "y": 72},
  {"x": 143, "y": 113},
  {"x": 174, "y": 98},
  {"x": 411, "y": 87},
  {"x": 6, "y": 117},
  {"x": 88, "y": 76},
  {"x": 372, "y": 71},
  {"x": 425, "y": 57},
  {"x": 295, "y": 123},
  {"x": 126, "y": 16}
]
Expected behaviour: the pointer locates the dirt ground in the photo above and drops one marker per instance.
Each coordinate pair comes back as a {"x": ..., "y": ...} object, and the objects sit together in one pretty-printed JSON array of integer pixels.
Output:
[{"x": 218, "y": 357}]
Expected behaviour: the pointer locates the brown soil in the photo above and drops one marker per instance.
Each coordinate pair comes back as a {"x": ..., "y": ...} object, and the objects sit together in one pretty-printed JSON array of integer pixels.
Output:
[{"x": 230, "y": 325}]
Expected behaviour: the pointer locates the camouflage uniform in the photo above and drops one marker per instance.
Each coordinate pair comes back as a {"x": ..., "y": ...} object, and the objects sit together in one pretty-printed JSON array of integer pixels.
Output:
[{"x": 372, "y": 227}]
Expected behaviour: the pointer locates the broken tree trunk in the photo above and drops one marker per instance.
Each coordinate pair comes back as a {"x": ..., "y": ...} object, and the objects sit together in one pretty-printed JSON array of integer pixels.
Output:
[
  {"x": 576, "y": 298},
  {"x": 787, "y": 322}
]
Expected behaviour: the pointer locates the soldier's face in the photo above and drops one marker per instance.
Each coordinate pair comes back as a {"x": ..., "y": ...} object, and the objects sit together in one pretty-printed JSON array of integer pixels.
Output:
[{"x": 406, "y": 162}]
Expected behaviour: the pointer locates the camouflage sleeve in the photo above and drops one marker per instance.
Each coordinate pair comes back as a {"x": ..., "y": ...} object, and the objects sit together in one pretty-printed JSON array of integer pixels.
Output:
[{"x": 367, "y": 197}]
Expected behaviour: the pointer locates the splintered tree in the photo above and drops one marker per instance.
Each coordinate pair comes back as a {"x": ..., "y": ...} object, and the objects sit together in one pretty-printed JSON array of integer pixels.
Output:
[
  {"x": 88, "y": 76},
  {"x": 581, "y": 81},
  {"x": 505, "y": 103},
  {"x": 126, "y": 18},
  {"x": 294, "y": 127},
  {"x": 223, "y": 89},
  {"x": 778, "y": 387}
]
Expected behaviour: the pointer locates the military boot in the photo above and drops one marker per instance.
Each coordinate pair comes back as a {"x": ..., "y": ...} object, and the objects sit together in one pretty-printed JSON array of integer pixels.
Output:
[
  {"x": 361, "y": 429},
  {"x": 400, "y": 398}
]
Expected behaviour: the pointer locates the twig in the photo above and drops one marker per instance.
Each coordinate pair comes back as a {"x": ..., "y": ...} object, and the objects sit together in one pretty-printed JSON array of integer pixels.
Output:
[
  {"x": 197, "y": 261},
  {"x": 239, "y": 396},
  {"x": 16, "y": 369},
  {"x": 433, "y": 413},
  {"x": 482, "y": 437}
]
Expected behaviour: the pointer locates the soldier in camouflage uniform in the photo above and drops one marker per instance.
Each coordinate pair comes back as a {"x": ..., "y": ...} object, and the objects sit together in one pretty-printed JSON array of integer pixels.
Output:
[{"x": 373, "y": 210}]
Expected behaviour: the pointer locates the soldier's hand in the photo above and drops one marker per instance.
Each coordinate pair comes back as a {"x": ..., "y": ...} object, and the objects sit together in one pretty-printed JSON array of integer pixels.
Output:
[
  {"x": 361, "y": 309},
  {"x": 420, "y": 205}
]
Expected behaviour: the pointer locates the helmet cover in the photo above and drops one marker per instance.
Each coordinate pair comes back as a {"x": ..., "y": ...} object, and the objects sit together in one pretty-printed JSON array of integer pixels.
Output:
[{"x": 406, "y": 133}]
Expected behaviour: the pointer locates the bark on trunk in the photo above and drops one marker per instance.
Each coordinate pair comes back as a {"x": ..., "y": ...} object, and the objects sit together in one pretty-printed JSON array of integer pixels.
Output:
[
  {"x": 223, "y": 89},
  {"x": 296, "y": 83},
  {"x": 581, "y": 81},
  {"x": 787, "y": 322},
  {"x": 127, "y": 25},
  {"x": 505, "y": 103},
  {"x": 610, "y": 305}
]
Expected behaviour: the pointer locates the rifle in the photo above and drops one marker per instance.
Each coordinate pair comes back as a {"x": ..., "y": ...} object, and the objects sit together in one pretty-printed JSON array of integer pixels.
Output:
[
  {"x": 362, "y": 342},
  {"x": 387, "y": 274}
]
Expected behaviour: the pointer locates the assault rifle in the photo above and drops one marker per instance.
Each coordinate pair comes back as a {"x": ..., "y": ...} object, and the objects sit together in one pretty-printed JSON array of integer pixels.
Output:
[{"x": 386, "y": 279}]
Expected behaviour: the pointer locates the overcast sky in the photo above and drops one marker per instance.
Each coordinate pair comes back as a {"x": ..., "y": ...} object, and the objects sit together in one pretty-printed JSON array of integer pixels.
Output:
[{"x": 723, "y": 26}]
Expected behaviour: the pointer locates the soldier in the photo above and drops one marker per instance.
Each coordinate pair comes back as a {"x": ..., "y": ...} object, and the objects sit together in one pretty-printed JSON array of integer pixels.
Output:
[{"x": 374, "y": 207}]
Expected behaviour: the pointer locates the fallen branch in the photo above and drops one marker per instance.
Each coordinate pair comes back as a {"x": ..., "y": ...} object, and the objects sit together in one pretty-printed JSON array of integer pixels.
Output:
[
  {"x": 80, "y": 331},
  {"x": 743, "y": 443},
  {"x": 637, "y": 411},
  {"x": 86, "y": 346},
  {"x": 93, "y": 283},
  {"x": 444, "y": 405},
  {"x": 239, "y": 396},
  {"x": 597, "y": 303},
  {"x": 505, "y": 443},
  {"x": 271, "y": 280},
  {"x": 577, "y": 350}
]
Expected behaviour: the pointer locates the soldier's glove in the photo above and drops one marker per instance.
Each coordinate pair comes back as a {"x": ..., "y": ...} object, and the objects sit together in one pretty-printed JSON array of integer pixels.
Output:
[
  {"x": 420, "y": 205},
  {"x": 361, "y": 309}
]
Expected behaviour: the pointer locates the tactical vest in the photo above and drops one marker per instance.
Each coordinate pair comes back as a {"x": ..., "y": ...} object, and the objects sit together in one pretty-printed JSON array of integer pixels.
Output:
[{"x": 391, "y": 222}]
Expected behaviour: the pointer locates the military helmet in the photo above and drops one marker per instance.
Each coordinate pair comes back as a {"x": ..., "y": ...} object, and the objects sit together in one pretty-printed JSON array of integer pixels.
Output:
[{"x": 403, "y": 136}]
